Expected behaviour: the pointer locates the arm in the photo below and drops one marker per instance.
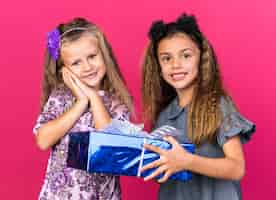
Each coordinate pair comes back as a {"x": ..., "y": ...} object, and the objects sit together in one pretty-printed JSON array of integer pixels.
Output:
[
  {"x": 100, "y": 113},
  {"x": 57, "y": 125},
  {"x": 232, "y": 166},
  {"x": 101, "y": 116},
  {"x": 49, "y": 133}
]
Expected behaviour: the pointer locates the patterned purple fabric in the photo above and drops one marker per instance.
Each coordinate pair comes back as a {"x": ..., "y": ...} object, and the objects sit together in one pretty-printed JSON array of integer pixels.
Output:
[{"x": 61, "y": 182}]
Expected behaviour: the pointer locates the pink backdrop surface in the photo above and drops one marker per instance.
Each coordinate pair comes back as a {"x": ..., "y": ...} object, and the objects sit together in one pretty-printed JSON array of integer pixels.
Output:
[{"x": 242, "y": 33}]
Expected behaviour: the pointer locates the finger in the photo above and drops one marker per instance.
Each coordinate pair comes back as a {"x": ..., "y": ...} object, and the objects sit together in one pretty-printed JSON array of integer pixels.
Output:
[
  {"x": 154, "y": 148},
  {"x": 66, "y": 69},
  {"x": 157, "y": 172},
  {"x": 68, "y": 80},
  {"x": 79, "y": 83},
  {"x": 165, "y": 177},
  {"x": 65, "y": 77},
  {"x": 171, "y": 140},
  {"x": 74, "y": 76},
  {"x": 153, "y": 164},
  {"x": 71, "y": 75},
  {"x": 63, "y": 71},
  {"x": 66, "y": 72}
]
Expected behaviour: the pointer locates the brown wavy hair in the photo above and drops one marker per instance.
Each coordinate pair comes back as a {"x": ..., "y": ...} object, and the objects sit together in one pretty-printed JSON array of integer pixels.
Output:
[
  {"x": 204, "y": 111},
  {"x": 113, "y": 80}
]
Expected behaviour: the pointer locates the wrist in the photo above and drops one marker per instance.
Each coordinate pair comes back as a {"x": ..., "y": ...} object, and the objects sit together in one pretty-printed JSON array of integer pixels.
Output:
[
  {"x": 188, "y": 162},
  {"x": 82, "y": 103},
  {"x": 95, "y": 98},
  {"x": 93, "y": 94}
]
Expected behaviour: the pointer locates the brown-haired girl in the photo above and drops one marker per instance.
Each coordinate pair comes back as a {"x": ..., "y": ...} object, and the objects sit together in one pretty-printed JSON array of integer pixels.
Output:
[{"x": 182, "y": 87}]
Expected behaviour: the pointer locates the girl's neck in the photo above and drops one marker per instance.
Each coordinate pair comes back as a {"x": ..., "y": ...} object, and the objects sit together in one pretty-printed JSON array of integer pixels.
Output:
[{"x": 185, "y": 96}]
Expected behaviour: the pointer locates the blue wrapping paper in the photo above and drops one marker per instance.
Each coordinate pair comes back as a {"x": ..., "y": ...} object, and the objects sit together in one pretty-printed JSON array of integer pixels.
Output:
[
  {"x": 124, "y": 155},
  {"x": 78, "y": 150},
  {"x": 115, "y": 151}
]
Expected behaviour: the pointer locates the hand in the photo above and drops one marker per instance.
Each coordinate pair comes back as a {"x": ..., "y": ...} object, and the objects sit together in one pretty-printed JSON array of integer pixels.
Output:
[
  {"x": 88, "y": 91},
  {"x": 71, "y": 83},
  {"x": 171, "y": 161}
]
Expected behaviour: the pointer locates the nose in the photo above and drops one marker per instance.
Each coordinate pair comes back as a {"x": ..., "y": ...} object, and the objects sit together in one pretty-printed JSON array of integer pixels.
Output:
[
  {"x": 87, "y": 66},
  {"x": 176, "y": 63}
]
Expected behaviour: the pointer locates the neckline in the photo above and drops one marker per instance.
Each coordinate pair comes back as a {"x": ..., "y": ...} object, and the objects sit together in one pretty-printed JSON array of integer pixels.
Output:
[{"x": 175, "y": 109}]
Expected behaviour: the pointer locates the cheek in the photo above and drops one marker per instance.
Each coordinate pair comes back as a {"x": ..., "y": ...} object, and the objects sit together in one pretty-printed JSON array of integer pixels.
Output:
[
  {"x": 193, "y": 66},
  {"x": 99, "y": 60},
  {"x": 164, "y": 70},
  {"x": 103, "y": 68},
  {"x": 195, "y": 73},
  {"x": 165, "y": 75},
  {"x": 100, "y": 66}
]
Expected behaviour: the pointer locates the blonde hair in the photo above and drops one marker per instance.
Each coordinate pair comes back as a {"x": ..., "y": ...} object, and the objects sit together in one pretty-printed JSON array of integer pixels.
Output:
[
  {"x": 204, "y": 111},
  {"x": 113, "y": 81}
]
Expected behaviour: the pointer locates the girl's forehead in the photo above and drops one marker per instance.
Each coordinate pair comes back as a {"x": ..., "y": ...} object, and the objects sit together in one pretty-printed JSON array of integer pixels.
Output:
[
  {"x": 84, "y": 45},
  {"x": 84, "y": 39},
  {"x": 175, "y": 41}
]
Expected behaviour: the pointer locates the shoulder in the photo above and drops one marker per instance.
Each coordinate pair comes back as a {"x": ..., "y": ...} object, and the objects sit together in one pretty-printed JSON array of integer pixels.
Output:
[
  {"x": 233, "y": 123},
  {"x": 227, "y": 106},
  {"x": 59, "y": 98},
  {"x": 113, "y": 99},
  {"x": 115, "y": 102},
  {"x": 61, "y": 94}
]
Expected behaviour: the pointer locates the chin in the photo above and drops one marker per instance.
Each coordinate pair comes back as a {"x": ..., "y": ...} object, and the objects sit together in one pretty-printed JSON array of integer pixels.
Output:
[
  {"x": 184, "y": 84},
  {"x": 181, "y": 86},
  {"x": 90, "y": 83},
  {"x": 93, "y": 85}
]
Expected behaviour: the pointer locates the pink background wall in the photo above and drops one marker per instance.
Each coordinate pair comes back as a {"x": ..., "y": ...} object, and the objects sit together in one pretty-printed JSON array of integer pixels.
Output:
[{"x": 242, "y": 33}]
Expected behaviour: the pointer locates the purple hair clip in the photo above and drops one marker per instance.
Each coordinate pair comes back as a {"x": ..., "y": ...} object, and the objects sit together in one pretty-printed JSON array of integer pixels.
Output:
[
  {"x": 53, "y": 43},
  {"x": 54, "y": 40}
]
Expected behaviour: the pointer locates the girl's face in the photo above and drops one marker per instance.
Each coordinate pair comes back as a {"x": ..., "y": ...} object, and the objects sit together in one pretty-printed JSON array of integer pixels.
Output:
[
  {"x": 179, "y": 59},
  {"x": 84, "y": 58}
]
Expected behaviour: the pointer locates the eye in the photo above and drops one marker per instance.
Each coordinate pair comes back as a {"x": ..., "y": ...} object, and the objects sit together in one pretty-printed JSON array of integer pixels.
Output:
[
  {"x": 165, "y": 59},
  {"x": 76, "y": 63},
  {"x": 185, "y": 55},
  {"x": 91, "y": 56}
]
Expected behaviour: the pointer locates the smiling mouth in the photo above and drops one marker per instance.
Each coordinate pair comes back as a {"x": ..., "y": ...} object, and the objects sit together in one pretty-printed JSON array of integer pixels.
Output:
[
  {"x": 179, "y": 76},
  {"x": 91, "y": 75}
]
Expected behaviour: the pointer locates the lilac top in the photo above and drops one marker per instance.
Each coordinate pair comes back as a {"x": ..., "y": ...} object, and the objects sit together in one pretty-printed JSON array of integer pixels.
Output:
[{"x": 62, "y": 182}]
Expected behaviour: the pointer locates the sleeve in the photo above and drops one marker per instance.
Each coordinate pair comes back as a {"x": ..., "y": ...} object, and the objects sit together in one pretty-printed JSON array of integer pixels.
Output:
[
  {"x": 51, "y": 110},
  {"x": 233, "y": 124},
  {"x": 119, "y": 110}
]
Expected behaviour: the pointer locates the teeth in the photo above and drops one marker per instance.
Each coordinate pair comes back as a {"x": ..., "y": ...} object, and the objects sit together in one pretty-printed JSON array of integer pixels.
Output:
[
  {"x": 92, "y": 75},
  {"x": 180, "y": 75}
]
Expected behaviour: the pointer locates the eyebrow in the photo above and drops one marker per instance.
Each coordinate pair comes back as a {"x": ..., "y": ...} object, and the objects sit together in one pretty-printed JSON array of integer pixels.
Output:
[{"x": 182, "y": 50}]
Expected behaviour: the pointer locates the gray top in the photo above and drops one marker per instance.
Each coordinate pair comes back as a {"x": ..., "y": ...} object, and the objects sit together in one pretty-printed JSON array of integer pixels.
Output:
[{"x": 202, "y": 187}]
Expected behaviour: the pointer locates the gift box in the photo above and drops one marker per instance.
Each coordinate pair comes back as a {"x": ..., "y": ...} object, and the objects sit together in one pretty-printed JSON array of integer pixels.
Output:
[{"x": 115, "y": 151}]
